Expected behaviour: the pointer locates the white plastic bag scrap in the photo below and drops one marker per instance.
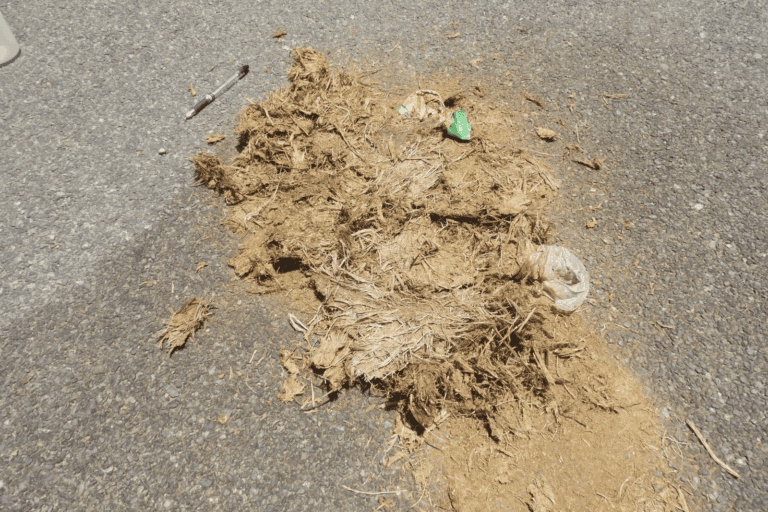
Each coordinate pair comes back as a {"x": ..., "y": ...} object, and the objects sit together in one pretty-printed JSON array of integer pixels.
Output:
[
  {"x": 563, "y": 276},
  {"x": 423, "y": 103}
]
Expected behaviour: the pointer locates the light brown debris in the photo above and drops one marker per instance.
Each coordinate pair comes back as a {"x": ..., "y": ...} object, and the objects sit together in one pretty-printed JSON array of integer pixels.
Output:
[
  {"x": 546, "y": 134},
  {"x": 709, "y": 450},
  {"x": 184, "y": 323}
]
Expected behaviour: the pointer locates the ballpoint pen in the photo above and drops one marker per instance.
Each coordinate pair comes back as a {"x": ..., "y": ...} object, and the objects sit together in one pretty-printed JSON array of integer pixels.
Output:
[{"x": 218, "y": 92}]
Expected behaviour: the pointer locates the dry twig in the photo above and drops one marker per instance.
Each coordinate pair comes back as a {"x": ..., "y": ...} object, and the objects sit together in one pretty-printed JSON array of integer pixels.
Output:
[
  {"x": 709, "y": 450},
  {"x": 372, "y": 493}
]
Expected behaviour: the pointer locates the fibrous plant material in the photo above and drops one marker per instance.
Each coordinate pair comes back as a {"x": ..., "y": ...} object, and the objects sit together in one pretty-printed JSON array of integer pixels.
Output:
[
  {"x": 546, "y": 133},
  {"x": 411, "y": 242},
  {"x": 535, "y": 101},
  {"x": 184, "y": 323},
  {"x": 595, "y": 164},
  {"x": 290, "y": 389},
  {"x": 709, "y": 450},
  {"x": 213, "y": 139}
]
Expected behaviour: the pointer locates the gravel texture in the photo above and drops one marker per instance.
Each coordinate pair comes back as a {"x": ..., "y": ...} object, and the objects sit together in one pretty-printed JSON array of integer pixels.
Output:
[{"x": 90, "y": 210}]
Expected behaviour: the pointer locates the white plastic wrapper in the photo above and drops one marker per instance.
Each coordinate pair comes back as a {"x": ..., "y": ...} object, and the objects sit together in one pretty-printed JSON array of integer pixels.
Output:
[
  {"x": 423, "y": 103},
  {"x": 563, "y": 276}
]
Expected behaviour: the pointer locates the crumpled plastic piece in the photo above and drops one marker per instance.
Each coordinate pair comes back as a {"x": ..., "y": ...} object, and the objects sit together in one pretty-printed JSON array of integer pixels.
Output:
[
  {"x": 423, "y": 103},
  {"x": 460, "y": 126},
  {"x": 562, "y": 274}
]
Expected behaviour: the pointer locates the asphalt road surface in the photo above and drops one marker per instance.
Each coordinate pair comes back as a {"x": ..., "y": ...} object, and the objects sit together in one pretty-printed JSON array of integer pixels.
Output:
[{"x": 101, "y": 235}]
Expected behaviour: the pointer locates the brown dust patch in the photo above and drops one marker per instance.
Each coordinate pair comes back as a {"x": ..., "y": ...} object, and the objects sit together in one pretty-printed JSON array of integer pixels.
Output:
[
  {"x": 593, "y": 447},
  {"x": 403, "y": 251}
]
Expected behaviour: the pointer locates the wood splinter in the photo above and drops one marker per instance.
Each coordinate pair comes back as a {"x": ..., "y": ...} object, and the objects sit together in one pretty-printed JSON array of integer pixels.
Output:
[{"x": 709, "y": 450}]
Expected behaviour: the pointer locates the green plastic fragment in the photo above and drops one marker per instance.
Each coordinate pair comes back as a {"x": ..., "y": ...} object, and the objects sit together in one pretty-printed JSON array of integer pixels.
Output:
[{"x": 460, "y": 126}]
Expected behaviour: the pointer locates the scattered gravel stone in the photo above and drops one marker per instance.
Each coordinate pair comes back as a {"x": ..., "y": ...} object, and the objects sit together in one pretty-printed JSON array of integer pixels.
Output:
[{"x": 172, "y": 391}]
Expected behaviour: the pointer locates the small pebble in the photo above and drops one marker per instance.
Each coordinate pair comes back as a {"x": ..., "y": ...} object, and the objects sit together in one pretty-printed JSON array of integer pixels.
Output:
[
  {"x": 172, "y": 391},
  {"x": 162, "y": 151}
]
